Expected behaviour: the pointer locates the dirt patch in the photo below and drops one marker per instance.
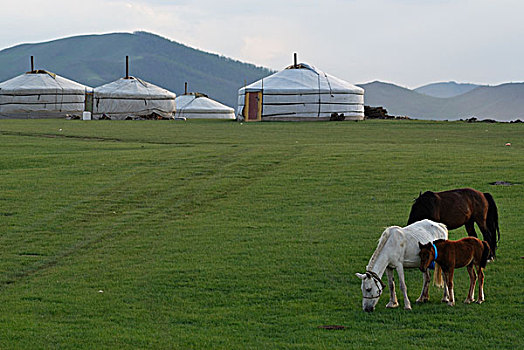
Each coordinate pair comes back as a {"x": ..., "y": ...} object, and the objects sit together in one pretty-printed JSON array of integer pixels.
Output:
[
  {"x": 332, "y": 327},
  {"x": 501, "y": 183}
]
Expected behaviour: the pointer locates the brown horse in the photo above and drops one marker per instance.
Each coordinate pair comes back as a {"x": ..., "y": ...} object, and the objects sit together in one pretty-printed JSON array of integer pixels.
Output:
[
  {"x": 455, "y": 208},
  {"x": 468, "y": 251}
]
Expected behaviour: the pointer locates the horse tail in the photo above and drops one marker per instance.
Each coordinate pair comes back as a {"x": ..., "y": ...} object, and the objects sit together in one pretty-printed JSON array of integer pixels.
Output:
[
  {"x": 492, "y": 222},
  {"x": 485, "y": 254},
  {"x": 437, "y": 276}
]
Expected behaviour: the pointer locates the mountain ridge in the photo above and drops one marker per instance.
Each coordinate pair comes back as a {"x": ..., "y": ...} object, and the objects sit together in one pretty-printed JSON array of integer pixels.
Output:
[
  {"x": 504, "y": 102},
  {"x": 96, "y": 59},
  {"x": 446, "y": 89}
]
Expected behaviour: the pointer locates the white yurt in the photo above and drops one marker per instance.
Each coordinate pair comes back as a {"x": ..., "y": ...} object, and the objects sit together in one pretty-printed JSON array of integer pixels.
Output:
[
  {"x": 41, "y": 94},
  {"x": 195, "y": 105},
  {"x": 300, "y": 92},
  {"x": 131, "y": 97}
]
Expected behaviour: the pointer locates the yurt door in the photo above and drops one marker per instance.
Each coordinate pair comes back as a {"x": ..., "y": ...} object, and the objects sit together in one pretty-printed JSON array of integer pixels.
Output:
[
  {"x": 89, "y": 102},
  {"x": 253, "y": 109}
]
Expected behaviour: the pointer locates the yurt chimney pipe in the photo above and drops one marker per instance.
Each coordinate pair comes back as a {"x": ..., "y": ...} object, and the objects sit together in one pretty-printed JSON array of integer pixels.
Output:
[
  {"x": 127, "y": 67},
  {"x": 295, "y": 60},
  {"x": 32, "y": 63},
  {"x": 185, "y": 88}
]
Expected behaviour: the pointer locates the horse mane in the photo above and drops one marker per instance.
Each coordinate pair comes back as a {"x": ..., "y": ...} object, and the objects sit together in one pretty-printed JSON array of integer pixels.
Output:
[
  {"x": 381, "y": 243},
  {"x": 426, "y": 203},
  {"x": 428, "y": 195},
  {"x": 438, "y": 240}
]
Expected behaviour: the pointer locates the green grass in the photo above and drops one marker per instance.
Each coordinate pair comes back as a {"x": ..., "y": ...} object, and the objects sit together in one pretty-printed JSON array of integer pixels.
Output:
[{"x": 221, "y": 235}]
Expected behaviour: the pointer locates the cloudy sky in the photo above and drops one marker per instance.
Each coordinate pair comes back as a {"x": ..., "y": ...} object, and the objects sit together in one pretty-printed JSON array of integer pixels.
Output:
[{"x": 407, "y": 42}]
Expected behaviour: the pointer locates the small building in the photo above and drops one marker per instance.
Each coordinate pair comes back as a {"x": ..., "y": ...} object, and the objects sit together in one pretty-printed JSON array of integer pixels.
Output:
[
  {"x": 41, "y": 94},
  {"x": 300, "y": 92},
  {"x": 199, "y": 106},
  {"x": 130, "y": 98}
]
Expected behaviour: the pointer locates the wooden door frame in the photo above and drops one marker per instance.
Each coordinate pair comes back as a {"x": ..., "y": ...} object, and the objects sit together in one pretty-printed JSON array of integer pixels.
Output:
[{"x": 247, "y": 106}]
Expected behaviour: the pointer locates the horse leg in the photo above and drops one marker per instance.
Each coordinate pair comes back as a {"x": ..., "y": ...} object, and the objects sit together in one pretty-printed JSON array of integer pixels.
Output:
[
  {"x": 472, "y": 282},
  {"x": 487, "y": 234},
  {"x": 470, "y": 228},
  {"x": 391, "y": 283},
  {"x": 403, "y": 288},
  {"x": 424, "y": 296},
  {"x": 481, "y": 285},
  {"x": 445, "y": 298},
  {"x": 451, "y": 301}
]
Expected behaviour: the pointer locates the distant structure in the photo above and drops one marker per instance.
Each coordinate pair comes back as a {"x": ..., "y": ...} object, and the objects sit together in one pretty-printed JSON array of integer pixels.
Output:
[
  {"x": 41, "y": 94},
  {"x": 130, "y": 98},
  {"x": 194, "y": 105},
  {"x": 300, "y": 92}
]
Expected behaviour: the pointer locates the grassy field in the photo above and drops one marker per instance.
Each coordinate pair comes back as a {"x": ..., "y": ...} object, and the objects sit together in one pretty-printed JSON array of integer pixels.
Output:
[{"x": 221, "y": 235}]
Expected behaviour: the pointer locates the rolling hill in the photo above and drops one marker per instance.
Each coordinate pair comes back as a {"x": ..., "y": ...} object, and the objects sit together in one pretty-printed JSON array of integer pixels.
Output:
[
  {"x": 98, "y": 59},
  {"x": 446, "y": 89},
  {"x": 503, "y": 102}
]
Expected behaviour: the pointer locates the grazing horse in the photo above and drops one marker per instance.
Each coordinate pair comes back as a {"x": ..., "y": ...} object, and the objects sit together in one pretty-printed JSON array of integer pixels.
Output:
[
  {"x": 455, "y": 208},
  {"x": 468, "y": 251},
  {"x": 398, "y": 249}
]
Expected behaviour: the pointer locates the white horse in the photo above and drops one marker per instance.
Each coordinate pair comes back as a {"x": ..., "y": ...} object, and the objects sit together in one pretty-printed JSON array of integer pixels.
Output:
[{"x": 398, "y": 249}]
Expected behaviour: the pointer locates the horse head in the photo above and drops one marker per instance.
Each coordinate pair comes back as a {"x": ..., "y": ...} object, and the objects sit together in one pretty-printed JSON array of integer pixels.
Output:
[
  {"x": 423, "y": 207},
  {"x": 426, "y": 255},
  {"x": 372, "y": 287}
]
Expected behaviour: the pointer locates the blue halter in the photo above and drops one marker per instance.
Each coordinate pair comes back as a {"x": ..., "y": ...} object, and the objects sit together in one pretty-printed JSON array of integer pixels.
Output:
[{"x": 432, "y": 265}]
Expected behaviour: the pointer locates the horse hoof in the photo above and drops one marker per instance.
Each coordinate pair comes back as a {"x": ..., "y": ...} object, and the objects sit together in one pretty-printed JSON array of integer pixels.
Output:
[
  {"x": 451, "y": 303},
  {"x": 469, "y": 301},
  {"x": 422, "y": 300},
  {"x": 479, "y": 301},
  {"x": 407, "y": 307},
  {"x": 444, "y": 301},
  {"x": 392, "y": 305}
]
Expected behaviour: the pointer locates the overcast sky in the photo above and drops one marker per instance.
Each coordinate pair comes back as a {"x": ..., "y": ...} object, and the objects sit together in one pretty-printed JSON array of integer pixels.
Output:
[{"x": 407, "y": 42}]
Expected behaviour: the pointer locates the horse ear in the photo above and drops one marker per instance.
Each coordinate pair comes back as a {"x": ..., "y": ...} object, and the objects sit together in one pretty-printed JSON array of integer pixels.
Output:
[
  {"x": 360, "y": 275},
  {"x": 420, "y": 245}
]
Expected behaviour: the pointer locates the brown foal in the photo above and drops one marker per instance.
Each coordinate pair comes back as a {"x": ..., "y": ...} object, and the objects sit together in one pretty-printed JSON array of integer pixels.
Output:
[{"x": 468, "y": 251}]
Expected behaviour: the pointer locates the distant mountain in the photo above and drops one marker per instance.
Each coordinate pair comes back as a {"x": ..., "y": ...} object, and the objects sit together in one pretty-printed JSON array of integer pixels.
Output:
[
  {"x": 98, "y": 59},
  {"x": 503, "y": 102},
  {"x": 445, "y": 89},
  {"x": 398, "y": 100}
]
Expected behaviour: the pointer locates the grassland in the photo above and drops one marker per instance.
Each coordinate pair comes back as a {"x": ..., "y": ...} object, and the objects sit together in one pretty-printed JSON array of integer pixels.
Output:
[{"x": 221, "y": 235}]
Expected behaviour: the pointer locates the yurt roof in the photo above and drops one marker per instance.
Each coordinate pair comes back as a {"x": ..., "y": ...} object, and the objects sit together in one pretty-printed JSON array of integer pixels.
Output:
[
  {"x": 132, "y": 87},
  {"x": 41, "y": 81},
  {"x": 302, "y": 78},
  {"x": 196, "y": 102}
]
